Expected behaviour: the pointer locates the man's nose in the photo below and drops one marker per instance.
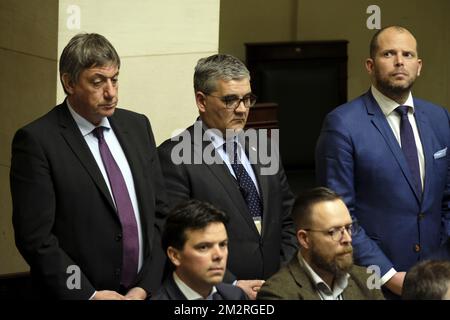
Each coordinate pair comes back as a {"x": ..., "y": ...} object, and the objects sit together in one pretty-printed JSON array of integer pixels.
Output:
[
  {"x": 346, "y": 237},
  {"x": 399, "y": 59},
  {"x": 110, "y": 89},
  {"x": 241, "y": 107}
]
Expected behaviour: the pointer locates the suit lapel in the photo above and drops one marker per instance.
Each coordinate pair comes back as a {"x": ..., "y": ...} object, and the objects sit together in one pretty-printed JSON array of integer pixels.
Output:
[
  {"x": 261, "y": 180},
  {"x": 426, "y": 135},
  {"x": 76, "y": 142},
  {"x": 306, "y": 289},
  {"x": 223, "y": 175},
  {"x": 380, "y": 122}
]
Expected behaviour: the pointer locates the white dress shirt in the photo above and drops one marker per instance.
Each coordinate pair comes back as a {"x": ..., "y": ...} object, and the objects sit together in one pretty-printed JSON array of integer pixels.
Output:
[
  {"x": 388, "y": 106},
  {"x": 119, "y": 156},
  {"x": 189, "y": 293}
]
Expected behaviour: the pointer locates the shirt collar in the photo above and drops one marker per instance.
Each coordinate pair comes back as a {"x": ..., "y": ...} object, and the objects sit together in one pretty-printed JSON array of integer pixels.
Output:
[
  {"x": 188, "y": 292},
  {"x": 216, "y": 137},
  {"x": 85, "y": 126},
  {"x": 388, "y": 105},
  {"x": 339, "y": 283}
]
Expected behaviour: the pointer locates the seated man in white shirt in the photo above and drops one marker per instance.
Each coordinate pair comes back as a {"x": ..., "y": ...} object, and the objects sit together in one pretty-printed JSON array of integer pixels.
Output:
[
  {"x": 323, "y": 267},
  {"x": 196, "y": 243}
]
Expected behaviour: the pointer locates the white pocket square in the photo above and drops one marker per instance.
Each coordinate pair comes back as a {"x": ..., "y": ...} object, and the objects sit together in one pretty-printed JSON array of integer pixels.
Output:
[{"x": 440, "y": 153}]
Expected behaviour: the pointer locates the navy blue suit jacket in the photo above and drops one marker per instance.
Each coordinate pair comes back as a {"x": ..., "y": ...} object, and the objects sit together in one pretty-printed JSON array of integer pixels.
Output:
[{"x": 358, "y": 156}]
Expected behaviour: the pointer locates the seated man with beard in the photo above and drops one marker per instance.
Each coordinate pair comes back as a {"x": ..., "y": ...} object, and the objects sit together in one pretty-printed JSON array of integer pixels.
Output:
[{"x": 323, "y": 267}]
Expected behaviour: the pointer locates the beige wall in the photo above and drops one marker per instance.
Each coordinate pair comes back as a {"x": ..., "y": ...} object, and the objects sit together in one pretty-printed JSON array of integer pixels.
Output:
[
  {"x": 28, "y": 42},
  {"x": 159, "y": 42},
  {"x": 288, "y": 20}
]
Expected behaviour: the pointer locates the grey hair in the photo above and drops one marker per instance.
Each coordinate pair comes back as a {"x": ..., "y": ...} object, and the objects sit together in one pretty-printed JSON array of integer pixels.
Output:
[
  {"x": 218, "y": 67},
  {"x": 86, "y": 50}
]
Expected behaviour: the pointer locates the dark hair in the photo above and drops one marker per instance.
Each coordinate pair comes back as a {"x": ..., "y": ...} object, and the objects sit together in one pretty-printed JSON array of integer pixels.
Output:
[
  {"x": 190, "y": 215},
  {"x": 302, "y": 213},
  {"x": 86, "y": 50},
  {"x": 374, "y": 41},
  {"x": 218, "y": 67},
  {"x": 427, "y": 280}
]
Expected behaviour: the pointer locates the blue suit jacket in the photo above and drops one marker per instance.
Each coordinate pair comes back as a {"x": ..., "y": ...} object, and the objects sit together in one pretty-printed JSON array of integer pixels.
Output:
[{"x": 358, "y": 156}]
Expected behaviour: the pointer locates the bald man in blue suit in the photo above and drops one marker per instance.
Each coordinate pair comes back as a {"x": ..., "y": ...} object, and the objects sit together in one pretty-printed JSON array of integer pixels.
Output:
[{"x": 404, "y": 212}]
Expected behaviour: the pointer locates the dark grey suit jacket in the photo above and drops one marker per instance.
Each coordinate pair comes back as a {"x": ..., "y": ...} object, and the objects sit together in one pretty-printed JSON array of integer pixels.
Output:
[
  {"x": 293, "y": 283},
  {"x": 170, "y": 291},
  {"x": 63, "y": 214},
  {"x": 251, "y": 256}
]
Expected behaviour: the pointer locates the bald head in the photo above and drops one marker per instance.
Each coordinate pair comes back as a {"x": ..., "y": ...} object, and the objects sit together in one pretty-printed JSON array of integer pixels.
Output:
[{"x": 374, "y": 44}]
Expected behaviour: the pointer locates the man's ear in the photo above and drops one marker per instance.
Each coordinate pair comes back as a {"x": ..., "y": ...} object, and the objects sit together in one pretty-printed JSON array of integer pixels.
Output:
[
  {"x": 200, "y": 99},
  {"x": 303, "y": 239},
  {"x": 67, "y": 83},
  {"x": 419, "y": 61},
  {"x": 369, "y": 65},
  {"x": 174, "y": 256}
]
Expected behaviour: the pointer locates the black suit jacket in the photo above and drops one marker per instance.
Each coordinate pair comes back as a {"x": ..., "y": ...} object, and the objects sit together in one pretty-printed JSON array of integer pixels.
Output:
[
  {"x": 170, "y": 291},
  {"x": 251, "y": 256},
  {"x": 63, "y": 214}
]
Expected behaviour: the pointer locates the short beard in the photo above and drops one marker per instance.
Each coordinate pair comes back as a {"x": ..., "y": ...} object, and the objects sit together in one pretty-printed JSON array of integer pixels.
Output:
[
  {"x": 337, "y": 267},
  {"x": 392, "y": 91}
]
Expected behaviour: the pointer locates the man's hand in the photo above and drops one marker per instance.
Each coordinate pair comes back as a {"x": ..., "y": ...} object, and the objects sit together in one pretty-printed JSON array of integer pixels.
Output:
[
  {"x": 136, "y": 294},
  {"x": 108, "y": 295},
  {"x": 250, "y": 287},
  {"x": 395, "y": 284}
]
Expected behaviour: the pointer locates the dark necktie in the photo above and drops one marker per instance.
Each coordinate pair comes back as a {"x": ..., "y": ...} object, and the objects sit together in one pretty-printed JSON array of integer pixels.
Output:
[
  {"x": 130, "y": 241},
  {"x": 246, "y": 185},
  {"x": 409, "y": 146}
]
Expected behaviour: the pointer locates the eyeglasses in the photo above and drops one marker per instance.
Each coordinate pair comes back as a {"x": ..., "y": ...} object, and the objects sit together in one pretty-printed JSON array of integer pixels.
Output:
[
  {"x": 337, "y": 233},
  {"x": 233, "y": 101}
]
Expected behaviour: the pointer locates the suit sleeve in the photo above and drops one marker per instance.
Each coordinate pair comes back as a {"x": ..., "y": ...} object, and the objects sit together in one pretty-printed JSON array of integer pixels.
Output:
[
  {"x": 151, "y": 275},
  {"x": 446, "y": 195},
  {"x": 335, "y": 159},
  {"x": 34, "y": 210},
  {"x": 289, "y": 244}
]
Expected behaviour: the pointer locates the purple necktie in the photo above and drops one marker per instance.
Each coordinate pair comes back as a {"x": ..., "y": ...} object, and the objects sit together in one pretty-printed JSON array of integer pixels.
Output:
[
  {"x": 409, "y": 146},
  {"x": 246, "y": 185},
  {"x": 130, "y": 241}
]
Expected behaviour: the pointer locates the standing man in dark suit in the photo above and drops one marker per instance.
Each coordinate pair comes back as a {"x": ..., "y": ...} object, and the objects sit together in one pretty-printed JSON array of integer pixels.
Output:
[
  {"x": 87, "y": 190},
  {"x": 196, "y": 243},
  {"x": 323, "y": 268},
  {"x": 386, "y": 153},
  {"x": 211, "y": 162}
]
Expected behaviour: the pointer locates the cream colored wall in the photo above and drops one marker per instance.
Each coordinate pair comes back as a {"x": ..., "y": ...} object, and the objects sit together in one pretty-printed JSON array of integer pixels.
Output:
[
  {"x": 159, "y": 42},
  {"x": 346, "y": 19},
  {"x": 28, "y": 42}
]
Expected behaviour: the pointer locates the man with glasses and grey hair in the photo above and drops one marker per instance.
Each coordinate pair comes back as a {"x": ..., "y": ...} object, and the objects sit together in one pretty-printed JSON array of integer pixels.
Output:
[
  {"x": 323, "y": 268},
  {"x": 210, "y": 161},
  {"x": 87, "y": 190}
]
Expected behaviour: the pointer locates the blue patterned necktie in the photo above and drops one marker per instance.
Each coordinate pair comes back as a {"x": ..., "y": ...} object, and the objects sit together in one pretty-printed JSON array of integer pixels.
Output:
[
  {"x": 409, "y": 146},
  {"x": 246, "y": 185},
  {"x": 130, "y": 241}
]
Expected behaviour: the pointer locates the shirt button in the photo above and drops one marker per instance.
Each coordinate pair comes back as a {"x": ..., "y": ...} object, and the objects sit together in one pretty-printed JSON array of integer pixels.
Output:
[
  {"x": 416, "y": 248},
  {"x": 119, "y": 237},
  {"x": 421, "y": 215}
]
